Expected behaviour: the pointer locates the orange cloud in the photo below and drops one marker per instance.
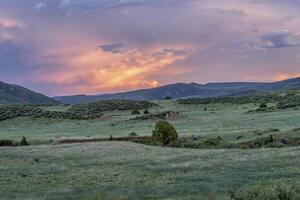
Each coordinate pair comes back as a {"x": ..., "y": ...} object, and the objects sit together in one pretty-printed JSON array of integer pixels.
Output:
[
  {"x": 99, "y": 71},
  {"x": 273, "y": 77},
  {"x": 284, "y": 76}
]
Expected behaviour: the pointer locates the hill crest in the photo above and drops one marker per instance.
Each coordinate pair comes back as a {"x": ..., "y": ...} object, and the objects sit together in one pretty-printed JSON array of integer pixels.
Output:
[{"x": 183, "y": 90}]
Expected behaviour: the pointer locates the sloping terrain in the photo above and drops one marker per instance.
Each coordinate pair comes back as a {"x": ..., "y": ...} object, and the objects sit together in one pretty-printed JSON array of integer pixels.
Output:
[{"x": 14, "y": 94}]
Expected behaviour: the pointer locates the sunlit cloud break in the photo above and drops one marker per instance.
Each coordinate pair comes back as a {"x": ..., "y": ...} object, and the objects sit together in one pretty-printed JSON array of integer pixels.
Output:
[{"x": 111, "y": 69}]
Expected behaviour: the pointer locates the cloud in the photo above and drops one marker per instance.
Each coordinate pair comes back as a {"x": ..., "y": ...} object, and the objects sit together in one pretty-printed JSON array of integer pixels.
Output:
[
  {"x": 244, "y": 45},
  {"x": 270, "y": 40},
  {"x": 278, "y": 76},
  {"x": 278, "y": 39},
  {"x": 10, "y": 29},
  {"x": 40, "y": 6},
  {"x": 178, "y": 52},
  {"x": 10, "y": 24},
  {"x": 81, "y": 5},
  {"x": 283, "y": 76},
  {"x": 104, "y": 71},
  {"x": 114, "y": 47}
]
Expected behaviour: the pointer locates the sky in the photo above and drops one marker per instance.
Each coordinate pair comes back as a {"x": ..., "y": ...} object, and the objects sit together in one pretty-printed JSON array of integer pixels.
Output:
[{"x": 64, "y": 47}]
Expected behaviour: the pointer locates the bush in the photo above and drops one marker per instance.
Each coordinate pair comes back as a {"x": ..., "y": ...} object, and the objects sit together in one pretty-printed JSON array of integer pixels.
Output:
[
  {"x": 263, "y": 106},
  {"x": 133, "y": 134},
  {"x": 135, "y": 111},
  {"x": 146, "y": 111},
  {"x": 213, "y": 141},
  {"x": 264, "y": 140},
  {"x": 24, "y": 142},
  {"x": 286, "y": 104},
  {"x": 6, "y": 143},
  {"x": 273, "y": 191},
  {"x": 164, "y": 132}
]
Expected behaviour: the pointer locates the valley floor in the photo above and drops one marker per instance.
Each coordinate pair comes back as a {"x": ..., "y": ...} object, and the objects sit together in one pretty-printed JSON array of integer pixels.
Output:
[{"x": 120, "y": 170}]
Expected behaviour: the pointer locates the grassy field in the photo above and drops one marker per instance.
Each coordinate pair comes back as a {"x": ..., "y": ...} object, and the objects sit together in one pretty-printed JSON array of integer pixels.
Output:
[
  {"x": 116, "y": 170},
  {"x": 225, "y": 120},
  {"x": 124, "y": 170}
]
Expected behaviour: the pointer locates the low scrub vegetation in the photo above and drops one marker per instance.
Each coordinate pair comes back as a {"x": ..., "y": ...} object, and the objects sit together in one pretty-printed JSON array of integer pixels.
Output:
[
  {"x": 152, "y": 116},
  {"x": 7, "y": 143},
  {"x": 24, "y": 141},
  {"x": 273, "y": 191},
  {"x": 79, "y": 112},
  {"x": 11, "y": 143},
  {"x": 135, "y": 112},
  {"x": 13, "y": 111},
  {"x": 271, "y": 138},
  {"x": 133, "y": 134},
  {"x": 283, "y": 100},
  {"x": 157, "y": 116},
  {"x": 110, "y": 105}
]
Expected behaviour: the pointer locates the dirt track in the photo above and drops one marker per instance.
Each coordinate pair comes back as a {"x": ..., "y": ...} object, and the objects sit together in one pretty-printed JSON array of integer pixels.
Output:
[{"x": 121, "y": 139}]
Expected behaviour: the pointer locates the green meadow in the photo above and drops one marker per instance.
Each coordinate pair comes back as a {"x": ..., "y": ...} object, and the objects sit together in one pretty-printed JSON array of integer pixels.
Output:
[
  {"x": 120, "y": 170},
  {"x": 127, "y": 170},
  {"x": 225, "y": 120}
]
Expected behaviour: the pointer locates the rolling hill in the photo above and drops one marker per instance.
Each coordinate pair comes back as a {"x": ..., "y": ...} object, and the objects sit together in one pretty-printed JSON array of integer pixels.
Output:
[
  {"x": 14, "y": 94},
  {"x": 182, "y": 90}
]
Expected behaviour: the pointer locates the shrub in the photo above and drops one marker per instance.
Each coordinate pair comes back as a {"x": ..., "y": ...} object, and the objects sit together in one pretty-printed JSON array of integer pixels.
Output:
[
  {"x": 135, "y": 111},
  {"x": 213, "y": 141},
  {"x": 269, "y": 98},
  {"x": 132, "y": 134},
  {"x": 273, "y": 191},
  {"x": 6, "y": 143},
  {"x": 24, "y": 142},
  {"x": 239, "y": 137},
  {"x": 286, "y": 104},
  {"x": 264, "y": 140},
  {"x": 146, "y": 111},
  {"x": 164, "y": 132},
  {"x": 111, "y": 138},
  {"x": 263, "y": 106},
  {"x": 151, "y": 116}
]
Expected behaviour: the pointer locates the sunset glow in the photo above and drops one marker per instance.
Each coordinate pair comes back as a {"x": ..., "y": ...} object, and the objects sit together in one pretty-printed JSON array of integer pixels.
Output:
[{"x": 62, "y": 47}]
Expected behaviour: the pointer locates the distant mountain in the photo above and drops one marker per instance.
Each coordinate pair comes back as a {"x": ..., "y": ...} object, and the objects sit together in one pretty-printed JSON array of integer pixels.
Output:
[
  {"x": 182, "y": 90},
  {"x": 14, "y": 94}
]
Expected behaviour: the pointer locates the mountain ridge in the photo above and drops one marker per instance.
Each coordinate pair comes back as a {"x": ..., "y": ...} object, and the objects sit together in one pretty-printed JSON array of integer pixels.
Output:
[{"x": 183, "y": 90}]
